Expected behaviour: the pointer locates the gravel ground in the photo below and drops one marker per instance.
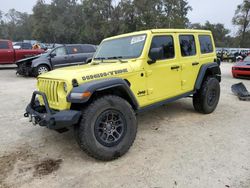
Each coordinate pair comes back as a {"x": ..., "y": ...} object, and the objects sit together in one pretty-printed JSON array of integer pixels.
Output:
[{"x": 175, "y": 146}]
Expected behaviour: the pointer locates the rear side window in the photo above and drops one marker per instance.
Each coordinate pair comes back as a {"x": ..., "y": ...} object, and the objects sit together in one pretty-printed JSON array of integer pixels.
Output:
[
  {"x": 167, "y": 43},
  {"x": 26, "y": 46},
  {"x": 187, "y": 44},
  {"x": 4, "y": 45},
  {"x": 88, "y": 49},
  {"x": 206, "y": 44},
  {"x": 74, "y": 49}
]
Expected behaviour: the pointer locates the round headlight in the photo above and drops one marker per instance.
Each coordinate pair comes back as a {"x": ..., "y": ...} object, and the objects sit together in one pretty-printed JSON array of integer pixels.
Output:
[{"x": 65, "y": 87}]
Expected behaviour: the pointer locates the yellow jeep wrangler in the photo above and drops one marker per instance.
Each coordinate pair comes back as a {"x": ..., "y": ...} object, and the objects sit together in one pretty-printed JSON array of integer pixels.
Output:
[{"x": 129, "y": 74}]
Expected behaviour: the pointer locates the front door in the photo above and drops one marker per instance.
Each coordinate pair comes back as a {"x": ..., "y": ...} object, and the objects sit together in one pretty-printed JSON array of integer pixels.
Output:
[
  {"x": 6, "y": 53},
  {"x": 164, "y": 75},
  {"x": 59, "y": 57}
]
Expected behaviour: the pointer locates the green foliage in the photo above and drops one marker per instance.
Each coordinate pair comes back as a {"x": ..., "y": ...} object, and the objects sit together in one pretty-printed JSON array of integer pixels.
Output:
[
  {"x": 89, "y": 21},
  {"x": 220, "y": 33},
  {"x": 242, "y": 19}
]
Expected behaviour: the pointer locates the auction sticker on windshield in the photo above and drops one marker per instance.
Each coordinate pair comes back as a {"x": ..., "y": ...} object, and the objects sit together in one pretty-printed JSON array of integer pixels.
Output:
[{"x": 137, "y": 39}]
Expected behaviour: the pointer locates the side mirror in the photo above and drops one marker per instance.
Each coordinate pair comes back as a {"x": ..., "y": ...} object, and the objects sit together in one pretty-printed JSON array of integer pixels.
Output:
[
  {"x": 53, "y": 55},
  {"x": 155, "y": 54}
]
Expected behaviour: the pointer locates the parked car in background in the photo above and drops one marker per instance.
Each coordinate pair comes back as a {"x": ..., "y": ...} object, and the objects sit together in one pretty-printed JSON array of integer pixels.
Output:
[
  {"x": 9, "y": 55},
  {"x": 242, "y": 69},
  {"x": 22, "y": 45},
  {"x": 61, "y": 56}
]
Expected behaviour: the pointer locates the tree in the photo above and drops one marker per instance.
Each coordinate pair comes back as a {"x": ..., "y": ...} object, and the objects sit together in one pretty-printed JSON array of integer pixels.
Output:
[
  {"x": 175, "y": 13},
  {"x": 242, "y": 19},
  {"x": 99, "y": 20},
  {"x": 41, "y": 22},
  {"x": 220, "y": 33}
]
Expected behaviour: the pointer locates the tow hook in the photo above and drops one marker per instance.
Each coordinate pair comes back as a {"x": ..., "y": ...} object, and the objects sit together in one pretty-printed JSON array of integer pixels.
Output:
[{"x": 32, "y": 118}]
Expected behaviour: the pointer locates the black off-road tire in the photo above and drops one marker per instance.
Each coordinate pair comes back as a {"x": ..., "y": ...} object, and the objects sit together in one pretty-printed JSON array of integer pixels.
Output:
[
  {"x": 206, "y": 99},
  {"x": 98, "y": 118},
  {"x": 38, "y": 69}
]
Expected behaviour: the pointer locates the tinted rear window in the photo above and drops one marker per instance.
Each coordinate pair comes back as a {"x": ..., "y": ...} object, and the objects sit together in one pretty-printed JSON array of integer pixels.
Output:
[
  {"x": 4, "y": 45},
  {"x": 88, "y": 49},
  {"x": 26, "y": 46},
  {"x": 206, "y": 44},
  {"x": 187, "y": 44},
  {"x": 74, "y": 49}
]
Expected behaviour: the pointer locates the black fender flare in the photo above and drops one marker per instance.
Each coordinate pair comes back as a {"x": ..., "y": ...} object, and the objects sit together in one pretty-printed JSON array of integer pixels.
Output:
[
  {"x": 207, "y": 69},
  {"x": 103, "y": 85}
]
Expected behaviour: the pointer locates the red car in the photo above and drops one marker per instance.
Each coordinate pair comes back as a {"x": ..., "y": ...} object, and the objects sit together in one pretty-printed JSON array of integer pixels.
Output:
[
  {"x": 8, "y": 55},
  {"x": 242, "y": 69}
]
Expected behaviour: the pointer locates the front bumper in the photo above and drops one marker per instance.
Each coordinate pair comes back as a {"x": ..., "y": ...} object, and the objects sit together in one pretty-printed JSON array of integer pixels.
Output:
[
  {"x": 241, "y": 73},
  {"x": 47, "y": 117},
  {"x": 24, "y": 69}
]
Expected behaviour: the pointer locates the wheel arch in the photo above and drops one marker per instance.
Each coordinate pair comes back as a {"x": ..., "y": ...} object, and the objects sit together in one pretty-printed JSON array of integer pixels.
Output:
[
  {"x": 210, "y": 69},
  {"x": 98, "y": 88},
  {"x": 35, "y": 64}
]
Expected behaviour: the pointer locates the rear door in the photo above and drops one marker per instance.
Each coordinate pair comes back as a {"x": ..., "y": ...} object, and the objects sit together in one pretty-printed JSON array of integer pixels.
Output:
[
  {"x": 59, "y": 57},
  {"x": 207, "y": 48},
  {"x": 6, "y": 53},
  {"x": 189, "y": 60},
  {"x": 76, "y": 55},
  {"x": 89, "y": 51}
]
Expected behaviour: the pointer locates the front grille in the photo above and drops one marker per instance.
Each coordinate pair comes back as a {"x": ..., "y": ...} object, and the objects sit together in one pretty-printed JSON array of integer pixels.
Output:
[
  {"x": 50, "y": 88},
  {"x": 243, "y": 69},
  {"x": 243, "y": 76}
]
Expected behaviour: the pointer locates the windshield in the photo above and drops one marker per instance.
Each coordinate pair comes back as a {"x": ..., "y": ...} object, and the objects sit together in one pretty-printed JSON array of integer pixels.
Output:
[{"x": 122, "y": 48}]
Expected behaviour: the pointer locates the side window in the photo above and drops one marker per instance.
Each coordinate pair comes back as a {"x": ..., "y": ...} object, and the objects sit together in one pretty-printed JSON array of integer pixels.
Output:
[
  {"x": 74, "y": 49},
  {"x": 187, "y": 44},
  {"x": 167, "y": 43},
  {"x": 88, "y": 49},
  {"x": 60, "y": 51},
  {"x": 206, "y": 44},
  {"x": 4, "y": 45},
  {"x": 26, "y": 46}
]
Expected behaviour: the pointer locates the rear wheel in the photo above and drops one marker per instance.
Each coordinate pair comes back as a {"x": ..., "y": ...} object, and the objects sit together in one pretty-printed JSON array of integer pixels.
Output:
[
  {"x": 41, "y": 69},
  {"x": 107, "y": 129},
  {"x": 206, "y": 99}
]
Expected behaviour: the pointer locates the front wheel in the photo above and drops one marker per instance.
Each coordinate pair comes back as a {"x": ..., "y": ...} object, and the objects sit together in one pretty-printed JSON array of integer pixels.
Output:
[
  {"x": 107, "y": 129},
  {"x": 206, "y": 99},
  {"x": 41, "y": 69}
]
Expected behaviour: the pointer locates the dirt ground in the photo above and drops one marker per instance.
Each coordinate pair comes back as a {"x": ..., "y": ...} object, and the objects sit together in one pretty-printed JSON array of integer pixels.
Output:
[{"x": 175, "y": 146}]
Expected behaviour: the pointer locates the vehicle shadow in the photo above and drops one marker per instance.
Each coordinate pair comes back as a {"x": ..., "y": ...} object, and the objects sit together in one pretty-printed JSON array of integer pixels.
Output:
[{"x": 65, "y": 145}]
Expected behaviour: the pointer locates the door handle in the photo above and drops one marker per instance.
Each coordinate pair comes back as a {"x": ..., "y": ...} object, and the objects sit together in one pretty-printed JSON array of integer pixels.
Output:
[
  {"x": 175, "y": 67},
  {"x": 195, "y": 63}
]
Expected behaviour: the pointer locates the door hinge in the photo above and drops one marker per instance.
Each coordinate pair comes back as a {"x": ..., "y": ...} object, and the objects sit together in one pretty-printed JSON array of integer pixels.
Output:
[
  {"x": 148, "y": 73},
  {"x": 150, "y": 91},
  {"x": 183, "y": 82}
]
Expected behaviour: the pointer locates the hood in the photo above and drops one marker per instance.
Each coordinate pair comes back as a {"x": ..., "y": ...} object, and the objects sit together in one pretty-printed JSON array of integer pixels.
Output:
[
  {"x": 242, "y": 63},
  {"x": 89, "y": 72},
  {"x": 28, "y": 59}
]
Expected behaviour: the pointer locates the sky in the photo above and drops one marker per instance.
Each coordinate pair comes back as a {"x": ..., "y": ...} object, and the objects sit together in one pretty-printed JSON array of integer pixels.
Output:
[{"x": 215, "y": 11}]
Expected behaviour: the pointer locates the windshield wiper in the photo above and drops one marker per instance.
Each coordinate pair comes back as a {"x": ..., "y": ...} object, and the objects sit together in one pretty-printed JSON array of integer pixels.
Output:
[{"x": 118, "y": 58}]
